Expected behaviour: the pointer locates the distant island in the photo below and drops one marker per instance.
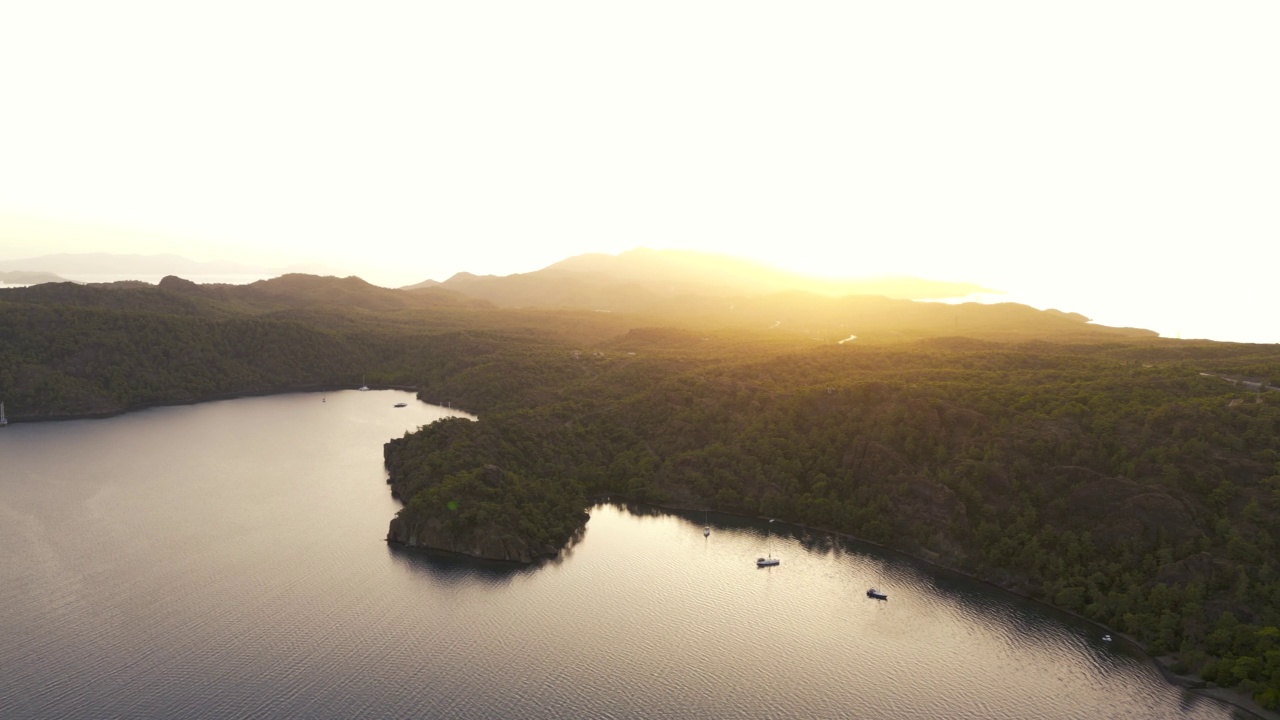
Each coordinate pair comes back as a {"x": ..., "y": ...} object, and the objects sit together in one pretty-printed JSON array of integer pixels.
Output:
[
  {"x": 23, "y": 277},
  {"x": 1107, "y": 471}
]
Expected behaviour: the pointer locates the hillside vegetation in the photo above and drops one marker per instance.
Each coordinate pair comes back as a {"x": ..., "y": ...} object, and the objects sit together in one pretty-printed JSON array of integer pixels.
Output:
[{"x": 1097, "y": 469}]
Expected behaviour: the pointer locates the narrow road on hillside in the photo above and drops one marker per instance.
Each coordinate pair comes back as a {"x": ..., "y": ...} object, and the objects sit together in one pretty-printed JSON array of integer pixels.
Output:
[{"x": 1251, "y": 384}]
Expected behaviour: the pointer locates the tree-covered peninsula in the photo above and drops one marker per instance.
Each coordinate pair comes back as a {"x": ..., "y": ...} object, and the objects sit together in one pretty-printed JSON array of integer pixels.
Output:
[{"x": 1131, "y": 479}]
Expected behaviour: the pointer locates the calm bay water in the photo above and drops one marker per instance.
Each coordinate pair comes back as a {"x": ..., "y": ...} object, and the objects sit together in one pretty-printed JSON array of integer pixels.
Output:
[{"x": 226, "y": 560}]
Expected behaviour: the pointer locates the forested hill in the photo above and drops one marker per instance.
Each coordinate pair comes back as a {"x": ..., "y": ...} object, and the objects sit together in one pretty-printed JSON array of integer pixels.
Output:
[
  {"x": 1112, "y": 480},
  {"x": 73, "y": 349},
  {"x": 637, "y": 280},
  {"x": 1096, "y": 469}
]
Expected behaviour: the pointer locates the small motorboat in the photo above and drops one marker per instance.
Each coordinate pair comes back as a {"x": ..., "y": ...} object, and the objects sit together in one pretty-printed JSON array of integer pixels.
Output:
[
  {"x": 402, "y": 404},
  {"x": 767, "y": 561},
  {"x": 876, "y": 594},
  {"x": 1106, "y": 638}
]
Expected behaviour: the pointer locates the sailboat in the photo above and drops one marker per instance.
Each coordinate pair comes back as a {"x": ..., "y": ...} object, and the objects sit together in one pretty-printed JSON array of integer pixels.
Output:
[
  {"x": 3, "y": 420},
  {"x": 706, "y": 528},
  {"x": 768, "y": 560},
  {"x": 363, "y": 387}
]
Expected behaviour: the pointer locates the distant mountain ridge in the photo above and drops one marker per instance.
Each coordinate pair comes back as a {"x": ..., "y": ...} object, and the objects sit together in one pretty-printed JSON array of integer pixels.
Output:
[
  {"x": 637, "y": 280},
  {"x": 284, "y": 294},
  {"x": 138, "y": 266},
  {"x": 698, "y": 292},
  {"x": 798, "y": 315},
  {"x": 299, "y": 290},
  {"x": 693, "y": 271}
]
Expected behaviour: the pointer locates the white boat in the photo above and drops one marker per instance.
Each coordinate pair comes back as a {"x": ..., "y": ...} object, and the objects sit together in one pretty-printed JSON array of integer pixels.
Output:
[
  {"x": 706, "y": 529},
  {"x": 363, "y": 387},
  {"x": 3, "y": 420},
  {"x": 1106, "y": 638},
  {"x": 768, "y": 560}
]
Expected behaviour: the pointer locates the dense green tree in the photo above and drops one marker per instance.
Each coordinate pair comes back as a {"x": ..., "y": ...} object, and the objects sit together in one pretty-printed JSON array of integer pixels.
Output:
[{"x": 1114, "y": 476}]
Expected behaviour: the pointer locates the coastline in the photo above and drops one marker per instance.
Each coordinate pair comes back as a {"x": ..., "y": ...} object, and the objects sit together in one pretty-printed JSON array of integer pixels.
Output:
[
  {"x": 285, "y": 390},
  {"x": 1191, "y": 683},
  {"x": 1196, "y": 684}
]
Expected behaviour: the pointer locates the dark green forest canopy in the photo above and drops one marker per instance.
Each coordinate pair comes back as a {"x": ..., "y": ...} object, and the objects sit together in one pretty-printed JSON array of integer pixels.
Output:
[{"x": 1132, "y": 479}]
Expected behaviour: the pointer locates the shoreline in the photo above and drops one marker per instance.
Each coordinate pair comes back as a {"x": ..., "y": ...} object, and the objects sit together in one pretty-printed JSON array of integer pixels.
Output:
[
  {"x": 286, "y": 390},
  {"x": 1196, "y": 684},
  {"x": 1189, "y": 683}
]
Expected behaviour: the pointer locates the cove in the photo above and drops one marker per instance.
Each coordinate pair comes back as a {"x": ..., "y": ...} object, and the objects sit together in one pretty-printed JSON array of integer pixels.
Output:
[{"x": 228, "y": 559}]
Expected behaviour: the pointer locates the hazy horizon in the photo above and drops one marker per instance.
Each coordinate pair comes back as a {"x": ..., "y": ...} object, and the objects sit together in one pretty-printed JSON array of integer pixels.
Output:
[
  {"x": 382, "y": 280},
  {"x": 1112, "y": 159}
]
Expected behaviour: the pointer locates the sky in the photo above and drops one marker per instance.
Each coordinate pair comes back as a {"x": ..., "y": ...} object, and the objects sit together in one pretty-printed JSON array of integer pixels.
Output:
[{"x": 1116, "y": 158}]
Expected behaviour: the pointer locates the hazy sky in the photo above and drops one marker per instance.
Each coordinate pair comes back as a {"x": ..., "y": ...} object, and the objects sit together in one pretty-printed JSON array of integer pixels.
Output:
[{"x": 1115, "y": 158}]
